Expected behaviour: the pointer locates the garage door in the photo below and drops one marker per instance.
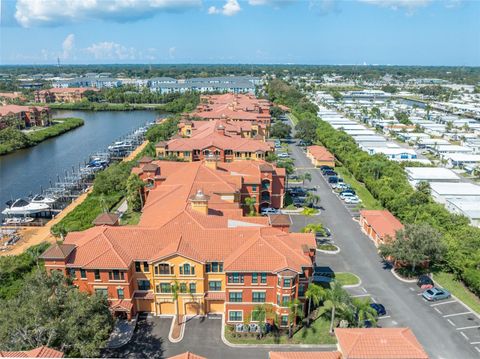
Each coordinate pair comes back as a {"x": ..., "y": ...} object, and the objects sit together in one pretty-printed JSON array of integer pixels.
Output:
[
  {"x": 166, "y": 308},
  {"x": 215, "y": 306},
  {"x": 192, "y": 309}
]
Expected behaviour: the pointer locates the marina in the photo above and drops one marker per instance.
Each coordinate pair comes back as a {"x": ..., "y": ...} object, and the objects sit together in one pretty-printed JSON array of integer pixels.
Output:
[{"x": 36, "y": 206}]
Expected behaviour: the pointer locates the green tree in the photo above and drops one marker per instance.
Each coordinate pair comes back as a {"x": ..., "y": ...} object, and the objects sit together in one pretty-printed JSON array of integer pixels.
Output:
[
  {"x": 314, "y": 228},
  {"x": 312, "y": 199},
  {"x": 295, "y": 311},
  {"x": 276, "y": 112},
  {"x": 280, "y": 130},
  {"x": 364, "y": 312},
  {"x": 134, "y": 192},
  {"x": 314, "y": 295},
  {"x": 307, "y": 176},
  {"x": 50, "y": 311},
  {"x": 414, "y": 245},
  {"x": 250, "y": 203},
  {"x": 337, "y": 302},
  {"x": 305, "y": 130},
  {"x": 402, "y": 117}
]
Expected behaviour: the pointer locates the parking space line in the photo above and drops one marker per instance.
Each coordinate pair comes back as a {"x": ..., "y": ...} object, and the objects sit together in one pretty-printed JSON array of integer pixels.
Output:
[
  {"x": 384, "y": 317},
  {"x": 438, "y": 310},
  {"x": 464, "y": 335},
  {"x": 442, "y": 303},
  {"x": 412, "y": 289},
  {"x": 452, "y": 315},
  {"x": 419, "y": 293},
  {"x": 373, "y": 300},
  {"x": 476, "y": 348},
  {"x": 452, "y": 323},
  {"x": 360, "y": 295},
  {"x": 472, "y": 327},
  {"x": 364, "y": 290},
  {"x": 474, "y": 343}
]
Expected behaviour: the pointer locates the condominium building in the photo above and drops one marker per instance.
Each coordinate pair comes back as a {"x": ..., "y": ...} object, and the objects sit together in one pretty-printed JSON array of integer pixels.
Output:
[
  {"x": 69, "y": 94},
  {"x": 24, "y": 116}
]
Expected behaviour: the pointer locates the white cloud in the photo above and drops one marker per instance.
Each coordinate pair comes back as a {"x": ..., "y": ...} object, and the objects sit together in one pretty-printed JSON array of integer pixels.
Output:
[
  {"x": 230, "y": 8},
  {"x": 409, "y": 5},
  {"x": 172, "y": 51},
  {"x": 275, "y": 3},
  {"x": 54, "y": 12},
  {"x": 108, "y": 50},
  {"x": 68, "y": 46}
]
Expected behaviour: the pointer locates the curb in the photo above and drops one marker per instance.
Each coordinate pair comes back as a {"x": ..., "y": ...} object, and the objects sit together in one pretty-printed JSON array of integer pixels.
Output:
[
  {"x": 272, "y": 346},
  {"x": 182, "y": 331},
  {"x": 352, "y": 285},
  {"x": 402, "y": 279},
  {"x": 329, "y": 252}
]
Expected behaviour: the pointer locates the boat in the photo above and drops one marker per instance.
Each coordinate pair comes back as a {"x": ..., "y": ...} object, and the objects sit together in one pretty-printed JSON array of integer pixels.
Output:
[
  {"x": 22, "y": 207},
  {"x": 120, "y": 146},
  {"x": 43, "y": 199}
]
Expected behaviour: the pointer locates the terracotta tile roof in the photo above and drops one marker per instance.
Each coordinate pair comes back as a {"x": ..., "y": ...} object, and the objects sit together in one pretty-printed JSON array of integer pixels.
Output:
[
  {"x": 4, "y": 110},
  {"x": 320, "y": 153},
  {"x": 304, "y": 355},
  {"x": 122, "y": 305},
  {"x": 58, "y": 251},
  {"x": 279, "y": 220},
  {"x": 379, "y": 343},
  {"x": 215, "y": 296},
  {"x": 146, "y": 159},
  {"x": 106, "y": 218},
  {"x": 40, "y": 352},
  {"x": 187, "y": 355},
  {"x": 144, "y": 295},
  {"x": 383, "y": 222},
  {"x": 68, "y": 90},
  {"x": 150, "y": 167}
]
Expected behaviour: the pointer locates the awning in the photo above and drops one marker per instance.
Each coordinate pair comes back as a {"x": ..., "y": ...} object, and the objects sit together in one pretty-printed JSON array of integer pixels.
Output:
[
  {"x": 121, "y": 306},
  {"x": 215, "y": 296}
]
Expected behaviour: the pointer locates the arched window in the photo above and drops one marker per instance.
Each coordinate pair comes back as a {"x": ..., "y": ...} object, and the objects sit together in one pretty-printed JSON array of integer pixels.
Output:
[{"x": 187, "y": 269}]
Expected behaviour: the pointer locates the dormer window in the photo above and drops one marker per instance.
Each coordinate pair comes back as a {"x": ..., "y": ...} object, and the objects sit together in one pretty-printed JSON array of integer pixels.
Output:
[
  {"x": 187, "y": 269},
  {"x": 163, "y": 269}
]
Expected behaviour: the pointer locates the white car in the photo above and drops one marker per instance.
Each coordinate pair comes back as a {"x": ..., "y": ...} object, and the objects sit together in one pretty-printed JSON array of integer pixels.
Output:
[
  {"x": 283, "y": 155},
  {"x": 267, "y": 211},
  {"x": 348, "y": 195},
  {"x": 353, "y": 200}
]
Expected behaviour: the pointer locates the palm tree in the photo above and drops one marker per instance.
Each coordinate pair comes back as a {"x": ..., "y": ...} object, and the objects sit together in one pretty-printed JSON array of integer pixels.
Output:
[
  {"x": 295, "y": 311},
  {"x": 312, "y": 199},
  {"x": 250, "y": 203},
  {"x": 306, "y": 177},
  {"x": 263, "y": 312},
  {"x": 364, "y": 312},
  {"x": 338, "y": 302},
  {"x": 314, "y": 294},
  {"x": 175, "y": 291}
]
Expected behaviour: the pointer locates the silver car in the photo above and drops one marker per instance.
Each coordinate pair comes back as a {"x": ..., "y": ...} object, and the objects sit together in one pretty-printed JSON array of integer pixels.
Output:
[{"x": 435, "y": 294}]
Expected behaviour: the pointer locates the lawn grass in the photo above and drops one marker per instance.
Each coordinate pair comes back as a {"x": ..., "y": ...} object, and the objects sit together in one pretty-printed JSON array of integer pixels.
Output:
[
  {"x": 454, "y": 286},
  {"x": 130, "y": 218},
  {"x": 346, "y": 278},
  {"x": 317, "y": 333},
  {"x": 293, "y": 118},
  {"x": 368, "y": 201}
]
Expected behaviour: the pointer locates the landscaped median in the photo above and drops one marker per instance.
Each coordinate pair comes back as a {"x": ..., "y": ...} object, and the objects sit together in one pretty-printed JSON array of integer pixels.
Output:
[{"x": 347, "y": 279}]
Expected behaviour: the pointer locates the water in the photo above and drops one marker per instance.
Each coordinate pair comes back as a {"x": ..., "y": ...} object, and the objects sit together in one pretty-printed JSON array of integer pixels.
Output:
[{"x": 27, "y": 171}]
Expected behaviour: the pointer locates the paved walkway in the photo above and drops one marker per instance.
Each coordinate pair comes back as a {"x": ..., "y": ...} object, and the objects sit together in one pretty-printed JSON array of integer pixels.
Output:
[{"x": 122, "y": 333}]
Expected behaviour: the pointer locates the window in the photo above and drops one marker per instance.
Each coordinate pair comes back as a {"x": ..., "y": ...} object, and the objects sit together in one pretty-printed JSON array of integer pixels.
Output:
[
  {"x": 214, "y": 285},
  {"x": 101, "y": 291},
  {"x": 116, "y": 275},
  {"x": 120, "y": 293},
  {"x": 138, "y": 267},
  {"x": 83, "y": 274},
  {"x": 278, "y": 299},
  {"x": 235, "y": 297},
  {"x": 71, "y": 272},
  {"x": 254, "y": 278},
  {"x": 143, "y": 284},
  {"x": 187, "y": 269},
  {"x": 301, "y": 290},
  {"x": 284, "y": 321},
  {"x": 183, "y": 288},
  {"x": 193, "y": 287},
  {"x": 254, "y": 188},
  {"x": 163, "y": 269},
  {"x": 145, "y": 266},
  {"x": 258, "y": 297},
  {"x": 263, "y": 278},
  {"x": 235, "y": 278},
  {"x": 285, "y": 300},
  {"x": 97, "y": 274},
  {"x": 164, "y": 288},
  {"x": 235, "y": 316},
  {"x": 287, "y": 282},
  {"x": 214, "y": 267}
]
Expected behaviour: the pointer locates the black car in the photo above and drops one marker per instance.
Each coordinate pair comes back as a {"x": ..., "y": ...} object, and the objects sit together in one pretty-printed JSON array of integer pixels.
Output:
[
  {"x": 297, "y": 192},
  {"x": 330, "y": 173},
  {"x": 333, "y": 179},
  {"x": 324, "y": 168},
  {"x": 425, "y": 282},
  {"x": 379, "y": 308}
]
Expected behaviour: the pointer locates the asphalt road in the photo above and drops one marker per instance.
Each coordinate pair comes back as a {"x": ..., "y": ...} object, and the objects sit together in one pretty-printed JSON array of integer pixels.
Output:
[{"x": 358, "y": 254}]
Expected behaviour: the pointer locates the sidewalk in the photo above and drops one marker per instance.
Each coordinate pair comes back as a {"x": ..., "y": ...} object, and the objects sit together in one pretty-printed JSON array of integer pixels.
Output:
[{"x": 122, "y": 333}]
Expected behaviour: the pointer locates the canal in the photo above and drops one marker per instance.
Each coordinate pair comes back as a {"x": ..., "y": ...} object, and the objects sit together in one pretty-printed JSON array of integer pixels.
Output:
[{"x": 27, "y": 171}]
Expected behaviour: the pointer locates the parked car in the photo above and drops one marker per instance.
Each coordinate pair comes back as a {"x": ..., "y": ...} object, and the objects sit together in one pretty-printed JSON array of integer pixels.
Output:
[
  {"x": 268, "y": 210},
  {"x": 342, "y": 186},
  {"x": 297, "y": 191},
  {"x": 333, "y": 179},
  {"x": 379, "y": 308},
  {"x": 344, "y": 195},
  {"x": 352, "y": 200},
  {"x": 425, "y": 282},
  {"x": 283, "y": 155},
  {"x": 298, "y": 201},
  {"x": 350, "y": 191},
  {"x": 434, "y": 294},
  {"x": 325, "y": 168},
  {"x": 330, "y": 173}
]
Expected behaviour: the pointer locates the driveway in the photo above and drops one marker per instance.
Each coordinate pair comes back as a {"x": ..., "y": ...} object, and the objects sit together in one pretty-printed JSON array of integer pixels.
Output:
[
  {"x": 358, "y": 254},
  {"x": 202, "y": 337}
]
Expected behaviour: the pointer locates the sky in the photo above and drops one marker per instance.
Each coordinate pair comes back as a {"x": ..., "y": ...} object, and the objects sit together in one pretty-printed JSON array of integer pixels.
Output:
[{"x": 336, "y": 32}]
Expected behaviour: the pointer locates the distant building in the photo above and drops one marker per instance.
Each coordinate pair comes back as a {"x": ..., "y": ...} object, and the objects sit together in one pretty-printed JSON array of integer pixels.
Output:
[
  {"x": 320, "y": 156},
  {"x": 380, "y": 225},
  {"x": 62, "y": 94},
  {"x": 430, "y": 174},
  {"x": 24, "y": 116}
]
